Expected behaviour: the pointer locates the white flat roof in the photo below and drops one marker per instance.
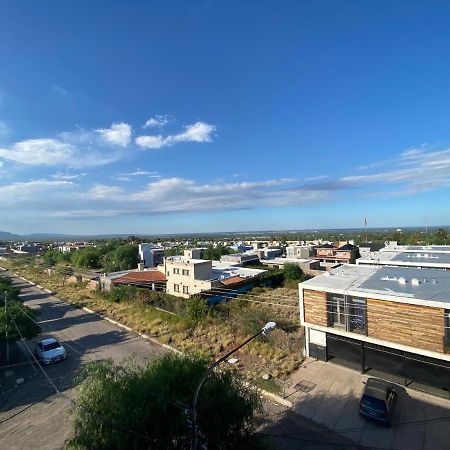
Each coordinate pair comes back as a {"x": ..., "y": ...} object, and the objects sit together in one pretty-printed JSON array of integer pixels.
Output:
[
  {"x": 185, "y": 259},
  {"x": 288, "y": 260},
  {"x": 401, "y": 258},
  {"x": 392, "y": 283}
]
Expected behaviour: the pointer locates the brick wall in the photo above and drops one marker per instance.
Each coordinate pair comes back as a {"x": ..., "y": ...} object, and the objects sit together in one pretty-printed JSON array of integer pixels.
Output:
[
  {"x": 315, "y": 307},
  {"x": 413, "y": 325}
]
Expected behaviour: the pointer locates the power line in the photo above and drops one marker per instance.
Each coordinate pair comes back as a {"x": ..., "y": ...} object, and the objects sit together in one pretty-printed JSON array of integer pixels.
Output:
[{"x": 58, "y": 392}]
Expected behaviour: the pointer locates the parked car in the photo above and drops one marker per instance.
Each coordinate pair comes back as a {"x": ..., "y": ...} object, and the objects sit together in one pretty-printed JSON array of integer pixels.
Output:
[
  {"x": 49, "y": 351},
  {"x": 378, "y": 400}
]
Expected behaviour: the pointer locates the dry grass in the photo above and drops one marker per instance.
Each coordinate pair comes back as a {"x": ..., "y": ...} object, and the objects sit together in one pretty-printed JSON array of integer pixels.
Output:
[{"x": 279, "y": 355}]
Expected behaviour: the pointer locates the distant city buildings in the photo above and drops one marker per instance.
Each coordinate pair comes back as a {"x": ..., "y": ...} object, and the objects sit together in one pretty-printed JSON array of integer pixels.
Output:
[{"x": 150, "y": 255}]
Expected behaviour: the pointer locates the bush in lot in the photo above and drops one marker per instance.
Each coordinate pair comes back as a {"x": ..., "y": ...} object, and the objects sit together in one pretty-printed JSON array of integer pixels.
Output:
[
  {"x": 122, "y": 293},
  {"x": 147, "y": 407},
  {"x": 197, "y": 308},
  {"x": 293, "y": 272}
]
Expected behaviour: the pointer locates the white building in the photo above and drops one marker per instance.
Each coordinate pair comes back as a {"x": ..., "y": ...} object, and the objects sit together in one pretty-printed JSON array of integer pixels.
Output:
[
  {"x": 188, "y": 276},
  {"x": 150, "y": 256}
]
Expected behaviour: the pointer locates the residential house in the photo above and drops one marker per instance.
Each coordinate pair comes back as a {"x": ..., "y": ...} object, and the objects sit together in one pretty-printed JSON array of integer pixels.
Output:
[{"x": 388, "y": 319}]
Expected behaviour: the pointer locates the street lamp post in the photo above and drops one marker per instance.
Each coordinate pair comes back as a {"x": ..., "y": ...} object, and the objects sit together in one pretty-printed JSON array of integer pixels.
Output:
[
  {"x": 268, "y": 327},
  {"x": 6, "y": 330}
]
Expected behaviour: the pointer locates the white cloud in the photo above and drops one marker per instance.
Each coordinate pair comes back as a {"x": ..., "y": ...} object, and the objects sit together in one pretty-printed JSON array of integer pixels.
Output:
[
  {"x": 158, "y": 121},
  {"x": 23, "y": 192},
  {"x": 39, "y": 152},
  {"x": 68, "y": 176},
  {"x": 151, "y": 141},
  {"x": 197, "y": 132},
  {"x": 75, "y": 149},
  {"x": 140, "y": 173},
  {"x": 118, "y": 134}
]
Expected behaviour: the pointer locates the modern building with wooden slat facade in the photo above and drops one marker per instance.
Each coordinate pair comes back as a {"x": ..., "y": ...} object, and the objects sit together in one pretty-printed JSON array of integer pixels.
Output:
[{"x": 389, "y": 319}]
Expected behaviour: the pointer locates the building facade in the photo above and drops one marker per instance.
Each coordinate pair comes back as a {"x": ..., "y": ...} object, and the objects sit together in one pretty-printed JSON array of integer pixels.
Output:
[
  {"x": 389, "y": 319},
  {"x": 151, "y": 256}
]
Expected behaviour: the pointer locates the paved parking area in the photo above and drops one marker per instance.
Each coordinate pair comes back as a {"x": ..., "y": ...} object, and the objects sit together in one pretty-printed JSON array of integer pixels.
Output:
[{"x": 329, "y": 395}]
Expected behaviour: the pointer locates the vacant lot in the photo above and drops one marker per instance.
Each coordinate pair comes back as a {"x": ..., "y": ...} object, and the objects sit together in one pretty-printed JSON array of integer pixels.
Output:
[{"x": 223, "y": 327}]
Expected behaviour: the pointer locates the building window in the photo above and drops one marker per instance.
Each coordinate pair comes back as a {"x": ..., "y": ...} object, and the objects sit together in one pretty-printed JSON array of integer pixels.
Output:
[
  {"x": 357, "y": 308},
  {"x": 176, "y": 271},
  {"x": 336, "y": 310},
  {"x": 447, "y": 327},
  {"x": 185, "y": 272},
  {"x": 176, "y": 287},
  {"x": 348, "y": 313},
  {"x": 185, "y": 289}
]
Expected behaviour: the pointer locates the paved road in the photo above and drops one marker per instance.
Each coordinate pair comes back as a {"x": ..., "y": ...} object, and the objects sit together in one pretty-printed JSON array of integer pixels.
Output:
[{"x": 42, "y": 420}]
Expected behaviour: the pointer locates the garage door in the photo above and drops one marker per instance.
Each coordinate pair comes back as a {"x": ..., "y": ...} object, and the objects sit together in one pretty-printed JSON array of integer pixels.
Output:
[{"x": 339, "y": 347}]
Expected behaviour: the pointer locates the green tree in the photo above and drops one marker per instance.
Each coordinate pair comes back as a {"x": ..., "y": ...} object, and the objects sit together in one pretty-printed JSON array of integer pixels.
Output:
[
  {"x": 87, "y": 257},
  {"x": 17, "y": 312},
  {"x": 214, "y": 253},
  {"x": 6, "y": 285},
  {"x": 293, "y": 272},
  {"x": 147, "y": 407},
  {"x": 124, "y": 257},
  {"x": 441, "y": 236}
]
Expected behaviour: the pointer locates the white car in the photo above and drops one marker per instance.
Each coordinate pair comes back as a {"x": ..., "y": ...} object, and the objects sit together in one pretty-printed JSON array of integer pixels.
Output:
[{"x": 49, "y": 351}]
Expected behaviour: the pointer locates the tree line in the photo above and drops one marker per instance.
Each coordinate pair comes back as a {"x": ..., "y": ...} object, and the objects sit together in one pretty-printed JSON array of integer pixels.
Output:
[{"x": 110, "y": 256}]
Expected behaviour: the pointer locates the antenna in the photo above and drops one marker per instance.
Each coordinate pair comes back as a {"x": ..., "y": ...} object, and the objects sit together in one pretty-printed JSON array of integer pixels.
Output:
[
  {"x": 365, "y": 226},
  {"x": 426, "y": 225}
]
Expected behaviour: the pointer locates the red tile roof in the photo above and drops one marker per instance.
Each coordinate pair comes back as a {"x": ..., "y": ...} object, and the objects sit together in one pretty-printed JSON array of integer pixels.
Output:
[
  {"x": 149, "y": 276},
  {"x": 232, "y": 280}
]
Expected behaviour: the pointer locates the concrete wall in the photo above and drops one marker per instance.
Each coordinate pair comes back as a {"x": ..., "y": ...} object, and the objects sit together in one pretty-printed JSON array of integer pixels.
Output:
[{"x": 195, "y": 280}]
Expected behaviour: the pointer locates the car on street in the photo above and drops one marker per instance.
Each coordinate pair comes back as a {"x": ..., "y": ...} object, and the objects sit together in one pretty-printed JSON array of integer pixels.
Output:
[
  {"x": 49, "y": 351},
  {"x": 378, "y": 400}
]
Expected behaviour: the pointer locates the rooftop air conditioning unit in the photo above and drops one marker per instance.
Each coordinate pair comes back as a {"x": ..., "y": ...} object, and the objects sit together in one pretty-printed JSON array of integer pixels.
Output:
[
  {"x": 401, "y": 280},
  {"x": 414, "y": 281}
]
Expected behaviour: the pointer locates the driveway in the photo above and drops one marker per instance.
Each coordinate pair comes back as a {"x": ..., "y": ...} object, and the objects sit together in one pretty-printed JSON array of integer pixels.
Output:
[
  {"x": 32, "y": 415},
  {"x": 329, "y": 395}
]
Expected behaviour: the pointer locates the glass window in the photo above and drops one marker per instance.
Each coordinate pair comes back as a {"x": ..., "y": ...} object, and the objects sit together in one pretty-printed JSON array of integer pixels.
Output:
[
  {"x": 336, "y": 310},
  {"x": 185, "y": 289},
  {"x": 176, "y": 287},
  {"x": 357, "y": 308},
  {"x": 348, "y": 313},
  {"x": 185, "y": 272}
]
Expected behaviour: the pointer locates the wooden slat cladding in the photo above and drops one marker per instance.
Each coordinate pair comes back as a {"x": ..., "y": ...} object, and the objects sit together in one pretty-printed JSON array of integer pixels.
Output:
[
  {"x": 315, "y": 307},
  {"x": 407, "y": 324}
]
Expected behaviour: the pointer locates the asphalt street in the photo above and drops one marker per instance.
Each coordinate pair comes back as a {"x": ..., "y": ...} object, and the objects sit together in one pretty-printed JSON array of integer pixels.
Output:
[{"x": 33, "y": 415}]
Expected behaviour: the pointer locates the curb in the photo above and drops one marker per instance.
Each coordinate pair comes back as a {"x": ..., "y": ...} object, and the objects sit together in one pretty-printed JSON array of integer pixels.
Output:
[
  {"x": 142, "y": 335},
  {"x": 275, "y": 398}
]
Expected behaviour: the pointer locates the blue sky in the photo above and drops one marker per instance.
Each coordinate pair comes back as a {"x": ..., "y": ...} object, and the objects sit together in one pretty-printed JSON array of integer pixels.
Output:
[{"x": 175, "y": 116}]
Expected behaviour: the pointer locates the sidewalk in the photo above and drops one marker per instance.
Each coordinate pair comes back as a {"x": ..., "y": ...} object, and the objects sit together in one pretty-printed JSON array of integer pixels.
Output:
[{"x": 329, "y": 395}]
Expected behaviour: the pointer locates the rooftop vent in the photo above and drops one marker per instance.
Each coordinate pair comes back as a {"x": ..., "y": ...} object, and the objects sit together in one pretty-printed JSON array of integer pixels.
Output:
[
  {"x": 414, "y": 281},
  {"x": 434, "y": 280}
]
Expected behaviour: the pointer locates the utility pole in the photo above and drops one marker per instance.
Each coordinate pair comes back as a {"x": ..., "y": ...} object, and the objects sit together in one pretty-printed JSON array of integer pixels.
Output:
[
  {"x": 6, "y": 330},
  {"x": 365, "y": 226}
]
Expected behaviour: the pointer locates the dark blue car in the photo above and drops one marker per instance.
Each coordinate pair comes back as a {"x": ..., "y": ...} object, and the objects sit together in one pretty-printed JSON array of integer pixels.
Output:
[{"x": 378, "y": 400}]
